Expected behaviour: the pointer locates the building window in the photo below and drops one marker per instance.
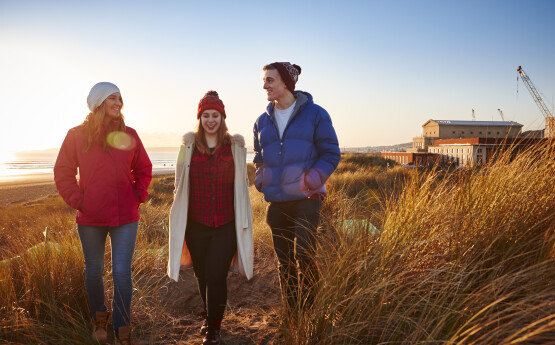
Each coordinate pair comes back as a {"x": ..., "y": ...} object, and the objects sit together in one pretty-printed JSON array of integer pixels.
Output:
[
  {"x": 471, "y": 132},
  {"x": 480, "y": 132},
  {"x": 497, "y": 133},
  {"x": 489, "y": 132},
  {"x": 462, "y": 132},
  {"x": 453, "y": 132}
]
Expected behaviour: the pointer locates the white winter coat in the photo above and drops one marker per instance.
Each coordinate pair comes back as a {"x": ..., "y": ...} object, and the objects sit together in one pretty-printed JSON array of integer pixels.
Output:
[{"x": 179, "y": 256}]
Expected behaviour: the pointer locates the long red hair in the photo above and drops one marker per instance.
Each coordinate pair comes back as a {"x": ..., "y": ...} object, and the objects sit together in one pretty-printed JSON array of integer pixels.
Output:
[
  {"x": 95, "y": 129},
  {"x": 200, "y": 140}
]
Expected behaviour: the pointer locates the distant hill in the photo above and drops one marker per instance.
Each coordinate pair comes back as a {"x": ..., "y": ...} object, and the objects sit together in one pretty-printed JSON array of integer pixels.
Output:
[
  {"x": 365, "y": 149},
  {"x": 377, "y": 149},
  {"x": 55, "y": 150}
]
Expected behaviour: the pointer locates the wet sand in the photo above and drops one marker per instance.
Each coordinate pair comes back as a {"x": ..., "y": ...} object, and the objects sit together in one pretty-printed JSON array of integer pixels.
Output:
[{"x": 18, "y": 189}]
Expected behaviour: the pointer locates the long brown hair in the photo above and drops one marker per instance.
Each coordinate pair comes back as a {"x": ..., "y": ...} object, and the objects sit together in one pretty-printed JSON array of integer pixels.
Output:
[
  {"x": 95, "y": 129},
  {"x": 200, "y": 140}
]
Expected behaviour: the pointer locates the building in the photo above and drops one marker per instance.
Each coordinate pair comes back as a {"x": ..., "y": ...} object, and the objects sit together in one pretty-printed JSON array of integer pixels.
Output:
[
  {"x": 453, "y": 129},
  {"x": 462, "y": 143},
  {"x": 413, "y": 158},
  {"x": 469, "y": 152},
  {"x": 550, "y": 127}
]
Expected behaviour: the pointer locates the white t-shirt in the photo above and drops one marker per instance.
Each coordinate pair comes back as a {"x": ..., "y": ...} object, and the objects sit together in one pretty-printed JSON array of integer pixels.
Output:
[{"x": 282, "y": 116}]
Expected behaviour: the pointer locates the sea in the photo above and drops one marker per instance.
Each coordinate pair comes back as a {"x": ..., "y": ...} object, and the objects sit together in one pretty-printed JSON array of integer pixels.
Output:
[{"x": 24, "y": 164}]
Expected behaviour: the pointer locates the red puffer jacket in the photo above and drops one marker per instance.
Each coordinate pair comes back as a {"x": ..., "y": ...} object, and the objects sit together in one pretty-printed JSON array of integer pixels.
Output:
[{"x": 111, "y": 184}]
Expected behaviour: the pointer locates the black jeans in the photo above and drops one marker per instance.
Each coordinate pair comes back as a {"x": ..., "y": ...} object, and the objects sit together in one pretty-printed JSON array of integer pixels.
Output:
[
  {"x": 212, "y": 250},
  {"x": 294, "y": 225}
]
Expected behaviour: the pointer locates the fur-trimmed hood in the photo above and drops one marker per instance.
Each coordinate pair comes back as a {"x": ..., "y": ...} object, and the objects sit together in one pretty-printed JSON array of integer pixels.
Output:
[{"x": 236, "y": 139}]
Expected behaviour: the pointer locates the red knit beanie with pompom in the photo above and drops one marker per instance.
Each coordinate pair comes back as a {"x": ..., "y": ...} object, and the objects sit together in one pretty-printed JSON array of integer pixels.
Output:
[{"x": 211, "y": 100}]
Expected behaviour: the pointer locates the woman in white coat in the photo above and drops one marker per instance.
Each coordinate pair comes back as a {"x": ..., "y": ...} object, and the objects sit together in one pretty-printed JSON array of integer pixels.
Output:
[{"x": 211, "y": 216}]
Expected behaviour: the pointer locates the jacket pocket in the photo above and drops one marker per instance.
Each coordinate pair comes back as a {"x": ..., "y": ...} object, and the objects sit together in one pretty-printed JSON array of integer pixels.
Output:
[
  {"x": 258, "y": 178},
  {"x": 86, "y": 208}
]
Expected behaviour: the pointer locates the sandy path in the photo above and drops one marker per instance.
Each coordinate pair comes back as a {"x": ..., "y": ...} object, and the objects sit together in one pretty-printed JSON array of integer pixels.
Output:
[{"x": 14, "y": 194}]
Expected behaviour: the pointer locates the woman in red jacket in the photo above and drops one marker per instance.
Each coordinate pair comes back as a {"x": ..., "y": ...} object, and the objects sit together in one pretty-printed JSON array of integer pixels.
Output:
[{"x": 114, "y": 174}]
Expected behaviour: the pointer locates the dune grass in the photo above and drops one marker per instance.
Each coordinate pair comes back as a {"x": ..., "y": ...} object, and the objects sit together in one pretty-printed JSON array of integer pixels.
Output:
[{"x": 464, "y": 257}]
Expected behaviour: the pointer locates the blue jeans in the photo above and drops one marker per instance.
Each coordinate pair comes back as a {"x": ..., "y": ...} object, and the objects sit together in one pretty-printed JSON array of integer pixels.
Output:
[{"x": 93, "y": 242}]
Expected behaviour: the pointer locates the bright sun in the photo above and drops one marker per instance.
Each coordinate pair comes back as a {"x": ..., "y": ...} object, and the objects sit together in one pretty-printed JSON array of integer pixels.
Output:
[{"x": 5, "y": 156}]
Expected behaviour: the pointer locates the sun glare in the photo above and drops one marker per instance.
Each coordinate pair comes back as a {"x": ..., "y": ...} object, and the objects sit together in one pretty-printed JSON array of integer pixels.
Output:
[{"x": 5, "y": 157}]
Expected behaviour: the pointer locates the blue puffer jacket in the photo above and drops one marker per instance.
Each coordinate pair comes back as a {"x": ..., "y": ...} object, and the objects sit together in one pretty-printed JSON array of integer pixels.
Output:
[{"x": 297, "y": 165}]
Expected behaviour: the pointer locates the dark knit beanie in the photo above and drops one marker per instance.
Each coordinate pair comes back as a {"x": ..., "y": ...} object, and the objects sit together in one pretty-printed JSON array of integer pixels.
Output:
[
  {"x": 211, "y": 101},
  {"x": 289, "y": 73}
]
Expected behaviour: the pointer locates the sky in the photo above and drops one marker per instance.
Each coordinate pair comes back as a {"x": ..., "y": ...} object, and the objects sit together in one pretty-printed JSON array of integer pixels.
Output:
[{"x": 380, "y": 68}]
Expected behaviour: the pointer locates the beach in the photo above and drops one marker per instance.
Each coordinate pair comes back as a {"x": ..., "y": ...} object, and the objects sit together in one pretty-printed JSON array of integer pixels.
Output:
[{"x": 23, "y": 188}]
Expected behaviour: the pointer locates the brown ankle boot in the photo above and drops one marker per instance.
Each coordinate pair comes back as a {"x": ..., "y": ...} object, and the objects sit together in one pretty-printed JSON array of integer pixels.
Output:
[
  {"x": 100, "y": 322},
  {"x": 212, "y": 337},
  {"x": 124, "y": 336}
]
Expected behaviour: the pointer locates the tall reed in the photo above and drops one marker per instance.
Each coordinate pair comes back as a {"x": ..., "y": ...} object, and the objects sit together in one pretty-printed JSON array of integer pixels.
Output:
[{"x": 462, "y": 258}]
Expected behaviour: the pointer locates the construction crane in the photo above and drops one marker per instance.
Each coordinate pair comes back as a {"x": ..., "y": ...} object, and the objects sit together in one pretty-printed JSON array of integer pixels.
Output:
[
  {"x": 501, "y": 113},
  {"x": 549, "y": 119}
]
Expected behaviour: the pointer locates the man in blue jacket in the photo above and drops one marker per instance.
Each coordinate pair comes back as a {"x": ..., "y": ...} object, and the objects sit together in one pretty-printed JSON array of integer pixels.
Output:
[{"x": 296, "y": 151}]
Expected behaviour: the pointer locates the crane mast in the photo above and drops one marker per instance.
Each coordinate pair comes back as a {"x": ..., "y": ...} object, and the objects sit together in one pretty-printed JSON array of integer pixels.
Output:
[{"x": 549, "y": 119}]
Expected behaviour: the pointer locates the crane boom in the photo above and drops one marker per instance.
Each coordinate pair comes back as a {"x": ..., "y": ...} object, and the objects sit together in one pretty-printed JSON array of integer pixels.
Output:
[
  {"x": 501, "y": 113},
  {"x": 535, "y": 94}
]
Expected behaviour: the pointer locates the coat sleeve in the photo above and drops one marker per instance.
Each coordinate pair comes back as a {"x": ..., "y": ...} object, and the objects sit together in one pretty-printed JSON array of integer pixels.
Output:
[
  {"x": 329, "y": 154},
  {"x": 141, "y": 170},
  {"x": 257, "y": 160},
  {"x": 179, "y": 167},
  {"x": 65, "y": 171}
]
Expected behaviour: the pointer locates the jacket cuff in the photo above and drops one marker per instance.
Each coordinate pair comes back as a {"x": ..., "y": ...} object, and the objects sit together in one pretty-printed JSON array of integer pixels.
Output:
[
  {"x": 143, "y": 195},
  {"x": 258, "y": 181},
  {"x": 313, "y": 180}
]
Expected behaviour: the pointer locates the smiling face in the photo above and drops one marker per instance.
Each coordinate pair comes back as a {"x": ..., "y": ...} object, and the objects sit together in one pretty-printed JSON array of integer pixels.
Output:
[
  {"x": 274, "y": 85},
  {"x": 112, "y": 106},
  {"x": 211, "y": 120}
]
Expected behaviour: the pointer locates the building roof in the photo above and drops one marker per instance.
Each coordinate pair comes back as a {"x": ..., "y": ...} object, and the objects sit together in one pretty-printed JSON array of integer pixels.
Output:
[
  {"x": 475, "y": 123},
  {"x": 490, "y": 141}
]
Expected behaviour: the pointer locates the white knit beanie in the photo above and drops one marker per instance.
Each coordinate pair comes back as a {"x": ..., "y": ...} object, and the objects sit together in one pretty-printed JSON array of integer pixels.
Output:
[{"x": 99, "y": 93}]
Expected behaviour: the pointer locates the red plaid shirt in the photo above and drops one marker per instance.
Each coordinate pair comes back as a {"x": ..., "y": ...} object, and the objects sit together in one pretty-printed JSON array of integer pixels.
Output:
[{"x": 211, "y": 187}]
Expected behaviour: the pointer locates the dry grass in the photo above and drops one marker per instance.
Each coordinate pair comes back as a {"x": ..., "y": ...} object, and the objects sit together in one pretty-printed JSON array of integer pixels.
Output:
[{"x": 462, "y": 258}]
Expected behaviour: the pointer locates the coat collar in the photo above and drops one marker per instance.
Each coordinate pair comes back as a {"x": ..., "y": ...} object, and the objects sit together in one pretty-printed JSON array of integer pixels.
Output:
[{"x": 236, "y": 139}]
